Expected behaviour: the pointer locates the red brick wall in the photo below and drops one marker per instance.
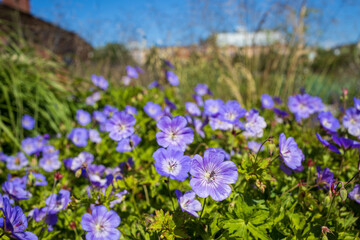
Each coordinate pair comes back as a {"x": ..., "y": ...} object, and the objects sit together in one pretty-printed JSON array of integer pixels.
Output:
[{"x": 22, "y": 5}]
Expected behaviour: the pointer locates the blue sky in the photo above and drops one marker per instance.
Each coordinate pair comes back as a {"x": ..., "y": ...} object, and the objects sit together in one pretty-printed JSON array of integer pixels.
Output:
[{"x": 183, "y": 22}]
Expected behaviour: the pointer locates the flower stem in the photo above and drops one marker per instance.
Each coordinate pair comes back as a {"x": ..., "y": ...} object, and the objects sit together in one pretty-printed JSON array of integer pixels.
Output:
[
  {"x": 333, "y": 199},
  {"x": 168, "y": 186},
  {"x": 261, "y": 147},
  {"x": 202, "y": 210}
]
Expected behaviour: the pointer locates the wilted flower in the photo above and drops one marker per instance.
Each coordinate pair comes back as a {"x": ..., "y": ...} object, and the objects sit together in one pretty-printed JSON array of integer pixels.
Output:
[
  {"x": 28, "y": 122},
  {"x": 101, "y": 224},
  {"x": 15, "y": 222},
  {"x": 324, "y": 178},
  {"x": 328, "y": 121},
  {"x": 327, "y": 144},
  {"x": 79, "y": 136},
  {"x": 188, "y": 203},
  {"x": 174, "y": 132},
  {"x": 212, "y": 175},
  {"x": 290, "y": 153},
  {"x": 120, "y": 125},
  {"x": 172, "y": 163},
  {"x": 192, "y": 108},
  {"x": 83, "y": 117},
  {"x": 267, "y": 101},
  {"x": 354, "y": 194},
  {"x": 172, "y": 78}
]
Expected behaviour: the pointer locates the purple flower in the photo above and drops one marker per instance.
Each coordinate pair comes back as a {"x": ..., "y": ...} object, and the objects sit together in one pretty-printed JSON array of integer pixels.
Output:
[
  {"x": 131, "y": 110},
  {"x": 355, "y": 193},
  {"x": 109, "y": 110},
  {"x": 199, "y": 127},
  {"x": 328, "y": 121},
  {"x": 99, "y": 116},
  {"x": 119, "y": 197},
  {"x": 202, "y": 89},
  {"x": 28, "y": 122},
  {"x": 174, "y": 133},
  {"x": 153, "y": 110},
  {"x": 198, "y": 99},
  {"x": 324, "y": 178},
  {"x": 192, "y": 108},
  {"x": 139, "y": 70},
  {"x": 15, "y": 190},
  {"x": 128, "y": 144},
  {"x": 153, "y": 84},
  {"x": 188, "y": 203},
  {"x": 101, "y": 224},
  {"x": 304, "y": 105},
  {"x": 40, "y": 180},
  {"x": 168, "y": 63},
  {"x": 172, "y": 163},
  {"x": 58, "y": 202},
  {"x": 343, "y": 142},
  {"x": 172, "y": 78},
  {"x": 212, "y": 175},
  {"x": 267, "y": 101},
  {"x": 255, "y": 146},
  {"x": 99, "y": 81},
  {"x": 231, "y": 112},
  {"x": 94, "y": 136},
  {"x": 15, "y": 222},
  {"x": 84, "y": 158},
  {"x": 83, "y": 117},
  {"x": 357, "y": 103},
  {"x": 255, "y": 124},
  {"x": 351, "y": 121},
  {"x": 79, "y": 136},
  {"x": 289, "y": 152},
  {"x": 212, "y": 107},
  {"x": 131, "y": 72},
  {"x": 50, "y": 162},
  {"x": 17, "y": 162},
  {"x": 280, "y": 113},
  {"x": 170, "y": 103},
  {"x": 327, "y": 144},
  {"x": 126, "y": 80},
  {"x": 120, "y": 125},
  {"x": 29, "y": 146},
  {"x": 91, "y": 100}
]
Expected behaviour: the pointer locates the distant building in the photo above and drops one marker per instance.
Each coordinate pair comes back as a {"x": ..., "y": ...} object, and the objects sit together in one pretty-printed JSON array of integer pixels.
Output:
[
  {"x": 15, "y": 17},
  {"x": 243, "y": 38}
]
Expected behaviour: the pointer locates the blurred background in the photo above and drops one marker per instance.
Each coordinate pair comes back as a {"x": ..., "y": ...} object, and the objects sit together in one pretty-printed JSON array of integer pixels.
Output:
[{"x": 240, "y": 48}]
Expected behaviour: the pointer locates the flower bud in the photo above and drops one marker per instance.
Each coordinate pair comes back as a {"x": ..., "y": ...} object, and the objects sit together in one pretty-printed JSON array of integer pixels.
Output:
[
  {"x": 343, "y": 194},
  {"x": 78, "y": 173}
]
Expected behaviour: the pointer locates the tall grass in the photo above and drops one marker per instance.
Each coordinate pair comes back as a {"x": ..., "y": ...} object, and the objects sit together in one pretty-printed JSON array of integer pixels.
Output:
[{"x": 34, "y": 85}]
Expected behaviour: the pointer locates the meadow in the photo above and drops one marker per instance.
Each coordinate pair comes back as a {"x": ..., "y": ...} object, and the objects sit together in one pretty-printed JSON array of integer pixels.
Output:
[{"x": 210, "y": 148}]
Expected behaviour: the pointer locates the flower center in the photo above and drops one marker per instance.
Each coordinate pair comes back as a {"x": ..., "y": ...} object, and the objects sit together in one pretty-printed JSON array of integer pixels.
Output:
[
  {"x": 172, "y": 165},
  {"x": 210, "y": 176},
  {"x": 17, "y": 161},
  {"x": 99, "y": 227}
]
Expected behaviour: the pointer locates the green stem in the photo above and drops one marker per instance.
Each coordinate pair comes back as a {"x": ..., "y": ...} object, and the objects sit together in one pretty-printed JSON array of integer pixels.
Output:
[
  {"x": 257, "y": 154},
  {"x": 168, "y": 186},
  {"x": 333, "y": 199},
  {"x": 202, "y": 210}
]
